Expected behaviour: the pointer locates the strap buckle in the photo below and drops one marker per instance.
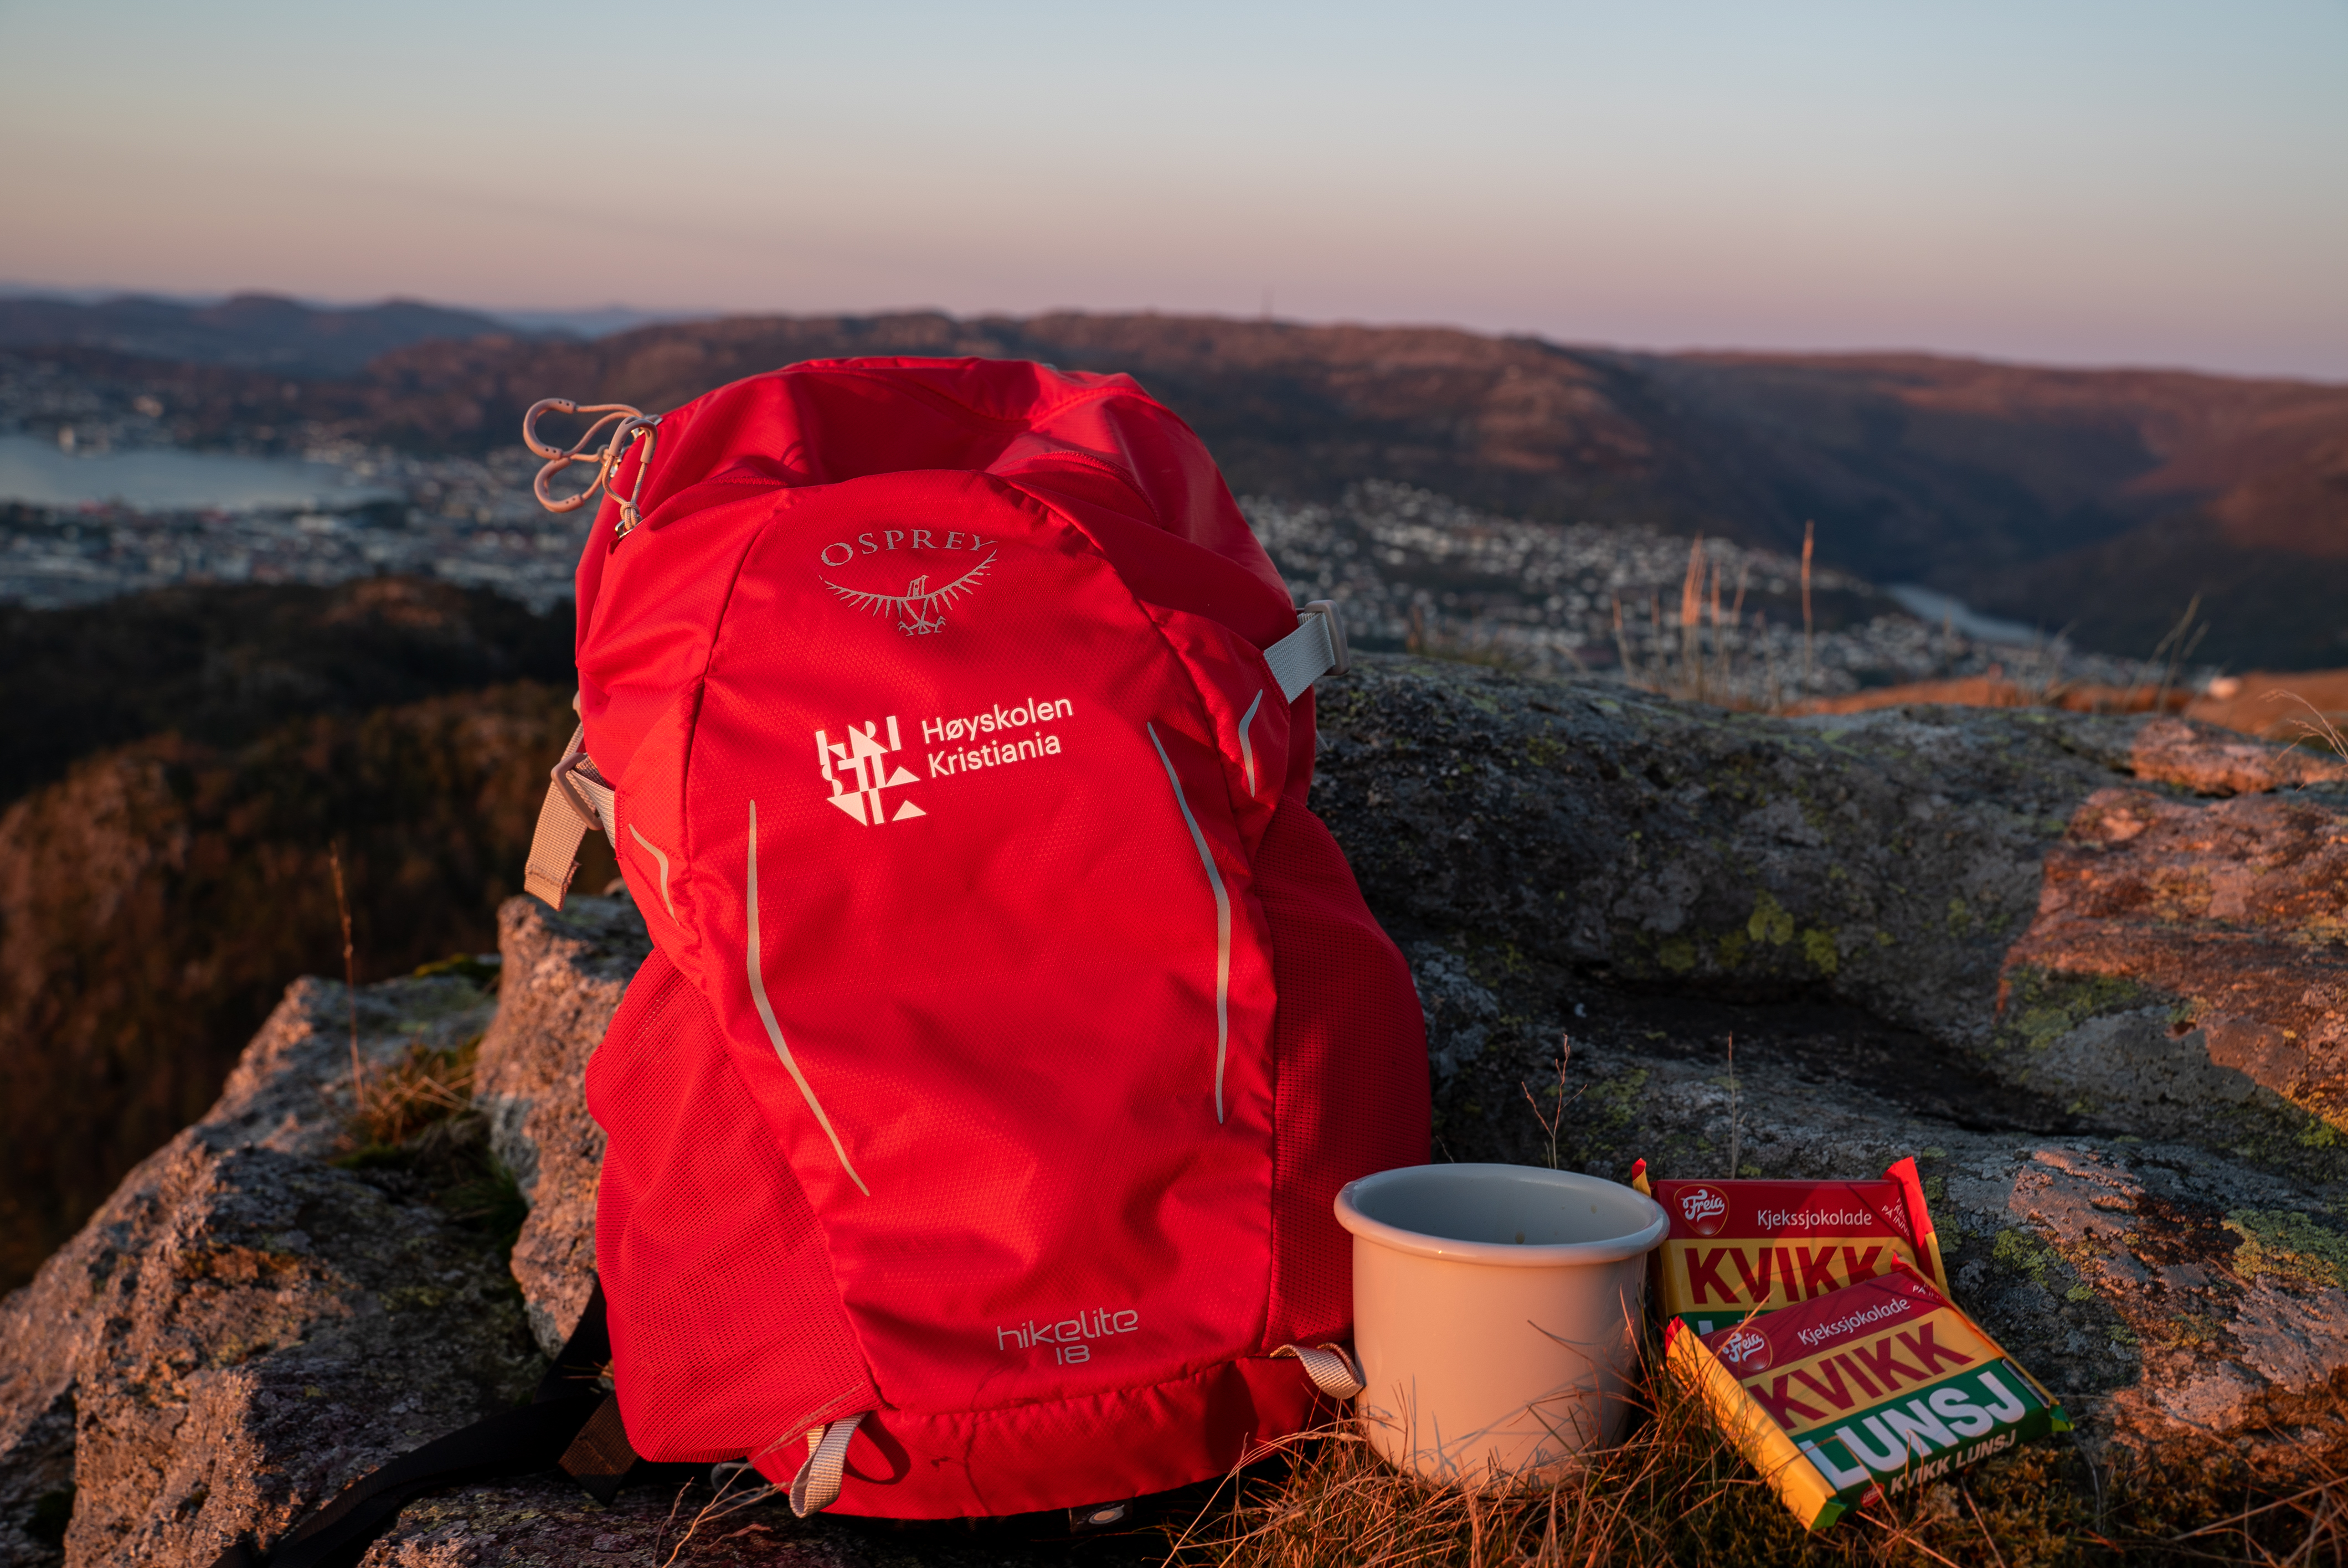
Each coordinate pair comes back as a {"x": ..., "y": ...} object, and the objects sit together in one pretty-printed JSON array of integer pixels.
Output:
[
  {"x": 1340, "y": 660},
  {"x": 579, "y": 763},
  {"x": 1316, "y": 648}
]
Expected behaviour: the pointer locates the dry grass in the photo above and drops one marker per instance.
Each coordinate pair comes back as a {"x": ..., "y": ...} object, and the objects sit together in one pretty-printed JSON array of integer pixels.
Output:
[
  {"x": 1704, "y": 667},
  {"x": 1433, "y": 642},
  {"x": 416, "y": 1117},
  {"x": 1675, "y": 1492},
  {"x": 2317, "y": 727},
  {"x": 426, "y": 1085}
]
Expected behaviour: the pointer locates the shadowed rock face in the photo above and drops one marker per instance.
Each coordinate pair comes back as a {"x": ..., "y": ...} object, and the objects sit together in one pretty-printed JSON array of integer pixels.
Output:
[
  {"x": 561, "y": 980},
  {"x": 2018, "y": 946}
]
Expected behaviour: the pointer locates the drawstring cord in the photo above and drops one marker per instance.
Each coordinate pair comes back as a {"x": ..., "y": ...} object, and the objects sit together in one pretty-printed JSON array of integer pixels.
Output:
[{"x": 625, "y": 425}]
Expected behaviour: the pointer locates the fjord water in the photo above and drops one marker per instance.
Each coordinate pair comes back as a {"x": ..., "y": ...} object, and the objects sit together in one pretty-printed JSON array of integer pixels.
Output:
[{"x": 34, "y": 470}]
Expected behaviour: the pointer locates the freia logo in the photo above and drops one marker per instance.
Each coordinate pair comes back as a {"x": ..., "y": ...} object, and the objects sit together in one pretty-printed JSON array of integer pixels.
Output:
[
  {"x": 1705, "y": 1209},
  {"x": 1747, "y": 1350}
]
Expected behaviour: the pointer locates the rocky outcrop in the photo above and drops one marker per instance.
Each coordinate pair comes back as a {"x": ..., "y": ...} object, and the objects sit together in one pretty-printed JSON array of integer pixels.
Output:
[
  {"x": 2237, "y": 909},
  {"x": 2024, "y": 948},
  {"x": 1883, "y": 859},
  {"x": 154, "y": 903},
  {"x": 563, "y": 977},
  {"x": 245, "y": 1326},
  {"x": 2069, "y": 961}
]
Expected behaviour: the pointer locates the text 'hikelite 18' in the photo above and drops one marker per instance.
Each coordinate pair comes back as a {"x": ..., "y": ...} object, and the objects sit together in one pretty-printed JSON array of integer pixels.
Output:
[
  {"x": 1012, "y": 1022},
  {"x": 1879, "y": 1387},
  {"x": 1736, "y": 1247}
]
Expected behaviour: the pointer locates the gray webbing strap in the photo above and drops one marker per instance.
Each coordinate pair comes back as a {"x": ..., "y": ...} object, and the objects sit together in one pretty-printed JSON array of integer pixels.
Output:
[
  {"x": 578, "y": 801},
  {"x": 1316, "y": 648},
  {"x": 817, "y": 1486},
  {"x": 1331, "y": 1370}
]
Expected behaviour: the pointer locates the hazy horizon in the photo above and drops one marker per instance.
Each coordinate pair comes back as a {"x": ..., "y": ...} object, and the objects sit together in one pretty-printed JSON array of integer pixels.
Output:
[
  {"x": 533, "y": 319},
  {"x": 2101, "y": 186}
]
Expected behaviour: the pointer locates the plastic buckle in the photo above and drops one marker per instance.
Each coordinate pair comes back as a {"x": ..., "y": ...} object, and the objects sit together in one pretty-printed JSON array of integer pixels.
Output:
[{"x": 1344, "y": 661}]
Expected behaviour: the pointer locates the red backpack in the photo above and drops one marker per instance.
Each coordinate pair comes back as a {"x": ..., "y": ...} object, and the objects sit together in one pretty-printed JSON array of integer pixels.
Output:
[{"x": 1012, "y": 1022}]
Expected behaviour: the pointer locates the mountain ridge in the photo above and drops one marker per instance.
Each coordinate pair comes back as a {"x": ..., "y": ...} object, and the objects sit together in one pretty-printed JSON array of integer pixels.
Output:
[
  {"x": 256, "y": 330},
  {"x": 2104, "y": 500}
]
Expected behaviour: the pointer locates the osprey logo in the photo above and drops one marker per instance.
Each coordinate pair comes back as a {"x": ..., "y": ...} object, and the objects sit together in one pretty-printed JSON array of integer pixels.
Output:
[
  {"x": 920, "y": 608},
  {"x": 858, "y": 769}
]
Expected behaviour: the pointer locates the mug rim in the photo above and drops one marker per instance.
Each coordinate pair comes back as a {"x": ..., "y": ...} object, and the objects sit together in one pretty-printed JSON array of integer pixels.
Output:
[{"x": 1534, "y": 1255}]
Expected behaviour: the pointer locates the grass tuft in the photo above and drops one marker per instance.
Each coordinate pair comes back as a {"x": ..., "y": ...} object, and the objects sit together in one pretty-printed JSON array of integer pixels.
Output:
[
  {"x": 427, "y": 1084},
  {"x": 1674, "y": 1492}
]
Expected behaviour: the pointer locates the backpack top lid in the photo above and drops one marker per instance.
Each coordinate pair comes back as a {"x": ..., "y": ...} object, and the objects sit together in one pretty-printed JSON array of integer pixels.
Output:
[{"x": 1155, "y": 503}]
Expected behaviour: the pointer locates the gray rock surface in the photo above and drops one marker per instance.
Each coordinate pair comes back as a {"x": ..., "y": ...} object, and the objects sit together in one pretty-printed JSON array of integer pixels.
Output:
[
  {"x": 1908, "y": 922},
  {"x": 2115, "y": 1046},
  {"x": 243, "y": 1327},
  {"x": 561, "y": 979}
]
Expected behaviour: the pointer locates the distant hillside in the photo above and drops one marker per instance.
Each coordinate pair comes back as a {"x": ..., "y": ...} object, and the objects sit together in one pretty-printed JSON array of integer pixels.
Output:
[
  {"x": 262, "y": 330},
  {"x": 221, "y": 665},
  {"x": 155, "y": 902},
  {"x": 2099, "y": 501},
  {"x": 156, "y": 895}
]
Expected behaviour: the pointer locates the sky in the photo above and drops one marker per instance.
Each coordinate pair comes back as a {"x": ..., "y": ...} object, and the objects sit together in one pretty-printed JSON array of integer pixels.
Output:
[{"x": 2091, "y": 183}]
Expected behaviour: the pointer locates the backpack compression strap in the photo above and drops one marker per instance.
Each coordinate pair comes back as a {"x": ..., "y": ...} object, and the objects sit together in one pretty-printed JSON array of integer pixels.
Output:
[
  {"x": 580, "y": 801},
  {"x": 1316, "y": 648},
  {"x": 817, "y": 1486}
]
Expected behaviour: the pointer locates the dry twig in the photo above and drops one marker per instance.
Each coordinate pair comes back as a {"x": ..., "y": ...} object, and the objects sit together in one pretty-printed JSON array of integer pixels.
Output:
[{"x": 350, "y": 979}]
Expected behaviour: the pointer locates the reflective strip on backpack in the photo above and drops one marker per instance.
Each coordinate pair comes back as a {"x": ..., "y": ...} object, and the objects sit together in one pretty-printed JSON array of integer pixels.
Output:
[
  {"x": 1247, "y": 753},
  {"x": 1316, "y": 648},
  {"x": 1331, "y": 1370},
  {"x": 655, "y": 851},
  {"x": 1222, "y": 923},
  {"x": 817, "y": 1486},
  {"x": 766, "y": 1016}
]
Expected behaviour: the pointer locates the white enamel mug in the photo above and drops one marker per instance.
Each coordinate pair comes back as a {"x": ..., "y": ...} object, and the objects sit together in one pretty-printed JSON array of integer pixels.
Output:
[{"x": 1496, "y": 1312}]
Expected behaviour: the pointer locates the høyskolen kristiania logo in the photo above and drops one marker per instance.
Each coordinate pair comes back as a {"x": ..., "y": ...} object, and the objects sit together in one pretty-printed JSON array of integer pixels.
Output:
[
  {"x": 858, "y": 771},
  {"x": 920, "y": 610}
]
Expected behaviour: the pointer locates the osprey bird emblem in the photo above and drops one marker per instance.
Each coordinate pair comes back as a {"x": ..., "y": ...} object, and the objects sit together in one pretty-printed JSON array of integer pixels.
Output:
[{"x": 920, "y": 608}]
